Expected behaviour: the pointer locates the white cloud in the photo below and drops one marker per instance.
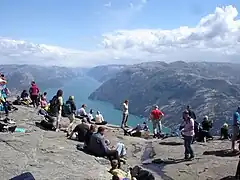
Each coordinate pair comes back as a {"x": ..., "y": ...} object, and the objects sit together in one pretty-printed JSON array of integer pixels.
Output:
[
  {"x": 109, "y": 4},
  {"x": 215, "y": 38}
]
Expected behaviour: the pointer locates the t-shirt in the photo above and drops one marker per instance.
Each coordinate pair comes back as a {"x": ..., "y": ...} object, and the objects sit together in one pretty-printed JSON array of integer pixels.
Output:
[
  {"x": 90, "y": 116},
  {"x": 188, "y": 129},
  {"x": 125, "y": 108},
  {"x": 236, "y": 118},
  {"x": 156, "y": 114},
  {"x": 81, "y": 112},
  {"x": 99, "y": 118}
]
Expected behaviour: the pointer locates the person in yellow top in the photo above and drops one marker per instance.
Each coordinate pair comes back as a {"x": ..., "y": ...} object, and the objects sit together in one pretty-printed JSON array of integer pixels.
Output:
[{"x": 119, "y": 174}]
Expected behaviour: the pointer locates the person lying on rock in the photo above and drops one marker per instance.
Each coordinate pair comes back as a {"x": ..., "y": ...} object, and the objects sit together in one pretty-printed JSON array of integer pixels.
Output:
[
  {"x": 98, "y": 147},
  {"x": 138, "y": 131},
  {"x": 224, "y": 134}
]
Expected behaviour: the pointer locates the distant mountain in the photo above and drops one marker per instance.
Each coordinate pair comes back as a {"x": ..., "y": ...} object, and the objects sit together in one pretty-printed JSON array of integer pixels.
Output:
[
  {"x": 210, "y": 88},
  {"x": 106, "y": 72},
  {"x": 20, "y": 76}
]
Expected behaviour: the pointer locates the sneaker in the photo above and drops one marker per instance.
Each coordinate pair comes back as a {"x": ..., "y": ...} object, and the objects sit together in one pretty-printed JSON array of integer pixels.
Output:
[{"x": 57, "y": 130}]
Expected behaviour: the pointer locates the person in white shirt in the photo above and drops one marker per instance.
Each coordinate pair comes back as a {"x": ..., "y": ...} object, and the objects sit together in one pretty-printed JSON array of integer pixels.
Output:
[
  {"x": 82, "y": 114},
  {"x": 125, "y": 114},
  {"x": 99, "y": 120},
  {"x": 90, "y": 115}
]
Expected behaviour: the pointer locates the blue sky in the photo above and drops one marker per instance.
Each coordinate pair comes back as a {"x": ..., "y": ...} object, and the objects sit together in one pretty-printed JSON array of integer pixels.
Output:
[{"x": 79, "y": 24}]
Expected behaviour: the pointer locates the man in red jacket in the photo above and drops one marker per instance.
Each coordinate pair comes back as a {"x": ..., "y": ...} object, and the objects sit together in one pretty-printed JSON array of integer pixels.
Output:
[
  {"x": 156, "y": 117},
  {"x": 34, "y": 91}
]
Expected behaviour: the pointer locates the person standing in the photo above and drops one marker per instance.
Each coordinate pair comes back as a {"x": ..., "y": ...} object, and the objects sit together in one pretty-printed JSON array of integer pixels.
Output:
[
  {"x": 235, "y": 128},
  {"x": 156, "y": 117},
  {"x": 125, "y": 114},
  {"x": 57, "y": 102},
  {"x": 34, "y": 91},
  {"x": 72, "y": 108},
  {"x": 191, "y": 113},
  {"x": 187, "y": 131}
]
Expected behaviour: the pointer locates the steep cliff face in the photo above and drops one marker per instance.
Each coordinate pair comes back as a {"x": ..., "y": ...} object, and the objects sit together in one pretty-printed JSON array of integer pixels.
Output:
[{"x": 210, "y": 88}]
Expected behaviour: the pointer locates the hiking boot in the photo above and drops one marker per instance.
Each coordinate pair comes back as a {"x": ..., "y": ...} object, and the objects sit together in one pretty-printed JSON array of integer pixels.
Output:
[{"x": 191, "y": 157}]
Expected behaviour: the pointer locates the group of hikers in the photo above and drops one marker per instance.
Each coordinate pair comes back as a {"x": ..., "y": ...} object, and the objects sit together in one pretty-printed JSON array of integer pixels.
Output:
[{"x": 91, "y": 131}]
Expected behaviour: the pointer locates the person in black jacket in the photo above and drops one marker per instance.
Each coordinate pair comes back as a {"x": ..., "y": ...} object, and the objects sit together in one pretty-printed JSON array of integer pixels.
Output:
[
  {"x": 72, "y": 110},
  {"x": 191, "y": 113}
]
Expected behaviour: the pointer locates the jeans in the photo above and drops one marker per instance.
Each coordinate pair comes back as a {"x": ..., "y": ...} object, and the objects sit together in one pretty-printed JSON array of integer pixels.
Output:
[
  {"x": 157, "y": 126},
  {"x": 187, "y": 146},
  {"x": 124, "y": 120},
  {"x": 5, "y": 107}
]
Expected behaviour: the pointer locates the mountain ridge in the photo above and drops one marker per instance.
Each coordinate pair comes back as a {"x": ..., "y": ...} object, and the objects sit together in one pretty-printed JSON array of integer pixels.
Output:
[{"x": 210, "y": 88}]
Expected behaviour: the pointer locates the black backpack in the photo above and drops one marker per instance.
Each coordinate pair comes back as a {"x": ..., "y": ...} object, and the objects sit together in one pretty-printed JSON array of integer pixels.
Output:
[
  {"x": 141, "y": 174},
  {"x": 54, "y": 105}
]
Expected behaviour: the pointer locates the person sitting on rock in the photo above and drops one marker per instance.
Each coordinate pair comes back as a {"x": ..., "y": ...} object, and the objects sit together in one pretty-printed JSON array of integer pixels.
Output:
[
  {"x": 119, "y": 174},
  {"x": 82, "y": 114},
  {"x": 138, "y": 131},
  {"x": 206, "y": 126},
  {"x": 80, "y": 130},
  {"x": 224, "y": 134},
  {"x": 43, "y": 100},
  {"x": 120, "y": 147},
  {"x": 90, "y": 115},
  {"x": 98, "y": 147},
  {"x": 24, "y": 98},
  {"x": 99, "y": 120}
]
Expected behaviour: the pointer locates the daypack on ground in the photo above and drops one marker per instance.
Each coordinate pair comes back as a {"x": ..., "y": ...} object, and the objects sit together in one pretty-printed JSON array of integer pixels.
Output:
[
  {"x": 141, "y": 174},
  {"x": 24, "y": 176}
]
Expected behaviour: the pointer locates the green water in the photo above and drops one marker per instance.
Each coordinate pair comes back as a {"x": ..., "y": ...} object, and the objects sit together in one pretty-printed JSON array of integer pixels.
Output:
[{"x": 81, "y": 88}]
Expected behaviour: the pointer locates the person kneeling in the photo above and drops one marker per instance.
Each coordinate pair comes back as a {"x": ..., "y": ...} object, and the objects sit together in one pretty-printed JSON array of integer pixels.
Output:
[{"x": 224, "y": 132}]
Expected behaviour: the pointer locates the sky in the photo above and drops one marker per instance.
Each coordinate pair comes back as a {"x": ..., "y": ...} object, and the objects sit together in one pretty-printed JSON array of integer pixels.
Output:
[{"x": 96, "y": 32}]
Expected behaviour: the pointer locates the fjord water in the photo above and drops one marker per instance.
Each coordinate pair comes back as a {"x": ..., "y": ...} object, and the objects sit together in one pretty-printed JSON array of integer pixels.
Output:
[{"x": 82, "y": 87}]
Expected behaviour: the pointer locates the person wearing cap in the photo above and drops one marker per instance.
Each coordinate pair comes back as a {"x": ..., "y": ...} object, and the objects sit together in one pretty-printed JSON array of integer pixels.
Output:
[
  {"x": 72, "y": 107},
  {"x": 156, "y": 117},
  {"x": 235, "y": 128},
  {"x": 187, "y": 131}
]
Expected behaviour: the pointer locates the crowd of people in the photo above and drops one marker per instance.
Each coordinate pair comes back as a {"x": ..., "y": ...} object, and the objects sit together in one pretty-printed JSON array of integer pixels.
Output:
[{"x": 91, "y": 131}]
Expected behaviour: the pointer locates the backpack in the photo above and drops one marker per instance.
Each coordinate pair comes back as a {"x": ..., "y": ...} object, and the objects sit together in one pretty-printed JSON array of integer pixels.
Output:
[
  {"x": 54, "y": 105},
  {"x": 67, "y": 110},
  {"x": 141, "y": 174}
]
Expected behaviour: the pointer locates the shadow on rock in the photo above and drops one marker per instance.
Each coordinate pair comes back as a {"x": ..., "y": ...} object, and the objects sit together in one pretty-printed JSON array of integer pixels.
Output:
[
  {"x": 222, "y": 153},
  {"x": 229, "y": 178},
  {"x": 171, "y": 143}
]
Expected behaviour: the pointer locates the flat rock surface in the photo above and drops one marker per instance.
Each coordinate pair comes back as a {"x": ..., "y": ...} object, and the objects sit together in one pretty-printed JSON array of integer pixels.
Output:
[{"x": 50, "y": 155}]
